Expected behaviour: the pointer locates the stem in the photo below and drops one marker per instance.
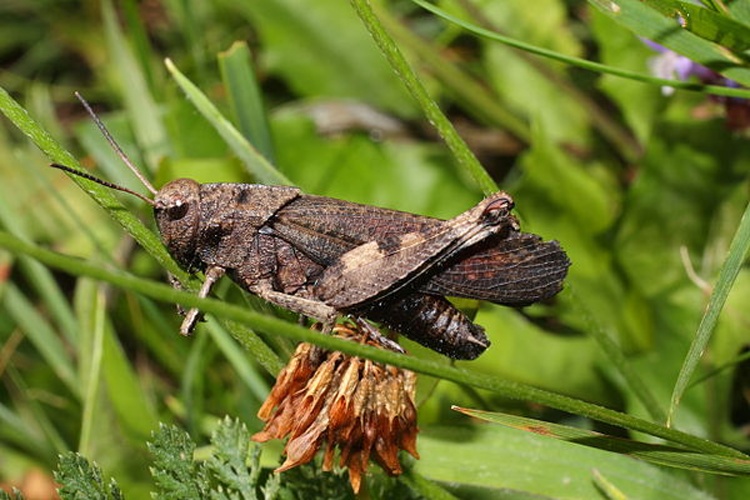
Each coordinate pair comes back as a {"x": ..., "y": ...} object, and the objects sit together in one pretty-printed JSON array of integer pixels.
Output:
[{"x": 395, "y": 57}]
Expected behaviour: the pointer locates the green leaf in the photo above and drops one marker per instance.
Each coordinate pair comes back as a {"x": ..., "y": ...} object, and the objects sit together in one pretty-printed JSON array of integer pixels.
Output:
[
  {"x": 82, "y": 480},
  {"x": 461, "y": 152},
  {"x": 406, "y": 176},
  {"x": 619, "y": 48},
  {"x": 737, "y": 10},
  {"x": 707, "y": 55},
  {"x": 174, "y": 471},
  {"x": 228, "y": 462},
  {"x": 224, "y": 475},
  {"x": 520, "y": 461},
  {"x": 531, "y": 86},
  {"x": 466, "y": 89},
  {"x": 709, "y": 25}
]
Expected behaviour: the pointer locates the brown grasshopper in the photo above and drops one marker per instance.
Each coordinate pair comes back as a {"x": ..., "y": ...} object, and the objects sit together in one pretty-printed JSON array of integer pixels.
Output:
[{"x": 322, "y": 257}]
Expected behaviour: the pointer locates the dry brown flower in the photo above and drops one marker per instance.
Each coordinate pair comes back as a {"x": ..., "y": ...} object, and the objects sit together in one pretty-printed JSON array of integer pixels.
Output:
[{"x": 362, "y": 408}]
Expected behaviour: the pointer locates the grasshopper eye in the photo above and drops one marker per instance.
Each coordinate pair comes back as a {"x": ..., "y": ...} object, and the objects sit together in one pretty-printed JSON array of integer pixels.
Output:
[{"x": 177, "y": 212}]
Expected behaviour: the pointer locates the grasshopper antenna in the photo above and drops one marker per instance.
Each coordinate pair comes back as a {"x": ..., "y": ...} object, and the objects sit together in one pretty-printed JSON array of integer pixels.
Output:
[
  {"x": 117, "y": 149},
  {"x": 100, "y": 181}
]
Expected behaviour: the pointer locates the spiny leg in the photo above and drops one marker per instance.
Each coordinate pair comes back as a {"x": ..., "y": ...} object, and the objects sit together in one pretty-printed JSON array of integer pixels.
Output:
[{"x": 377, "y": 335}]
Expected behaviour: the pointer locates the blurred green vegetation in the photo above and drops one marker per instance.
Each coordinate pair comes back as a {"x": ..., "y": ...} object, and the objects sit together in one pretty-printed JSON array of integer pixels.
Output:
[{"x": 646, "y": 192}]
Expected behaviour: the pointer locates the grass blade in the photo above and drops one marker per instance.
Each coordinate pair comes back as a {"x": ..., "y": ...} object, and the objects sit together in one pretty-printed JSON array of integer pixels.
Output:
[
  {"x": 615, "y": 353},
  {"x": 665, "y": 28},
  {"x": 256, "y": 164},
  {"x": 241, "y": 364},
  {"x": 245, "y": 98},
  {"x": 651, "y": 452},
  {"x": 103, "y": 196},
  {"x": 142, "y": 110},
  {"x": 586, "y": 64},
  {"x": 727, "y": 275},
  {"x": 41, "y": 334},
  {"x": 279, "y": 327},
  {"x": 91, "y": 301},
  {"x": 392, "y": 53}
]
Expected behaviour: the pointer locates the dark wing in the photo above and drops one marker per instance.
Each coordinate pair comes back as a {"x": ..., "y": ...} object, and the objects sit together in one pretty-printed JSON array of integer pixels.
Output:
[{"x": 518, "y": 270}]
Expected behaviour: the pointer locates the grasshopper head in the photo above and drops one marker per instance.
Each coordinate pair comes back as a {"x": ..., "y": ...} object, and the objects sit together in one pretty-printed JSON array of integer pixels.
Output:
[
  {"x": 177, "y": 212},
  {"x": 176, "y": 205}
]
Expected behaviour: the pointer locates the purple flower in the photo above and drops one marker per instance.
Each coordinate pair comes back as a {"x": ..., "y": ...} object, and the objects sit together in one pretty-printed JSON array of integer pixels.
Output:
[{"x": 670, "y": 65}]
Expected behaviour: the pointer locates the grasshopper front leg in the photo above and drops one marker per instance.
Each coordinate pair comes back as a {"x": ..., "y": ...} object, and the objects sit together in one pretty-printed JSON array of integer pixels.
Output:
[
  {"x": 194, "y": 315},
  {"x": 307, "y": 307}
]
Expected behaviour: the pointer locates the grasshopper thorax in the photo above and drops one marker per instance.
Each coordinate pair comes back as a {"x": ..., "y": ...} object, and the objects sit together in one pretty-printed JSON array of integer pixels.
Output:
[{"x": 177, "y": 213}]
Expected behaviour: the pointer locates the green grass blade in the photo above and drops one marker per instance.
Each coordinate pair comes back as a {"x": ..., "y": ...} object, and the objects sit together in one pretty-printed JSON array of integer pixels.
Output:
[
  {"x": 727, "y": 275},
  {"x": 618, "y": 135},
  {"x": 620, "y": 362},
  {"x": 14, "y": 430},
  {"x": 132, "y": 404},
  {"x": 43, "y": 140},
  {"x": 91, "y": 302},
  {"x": 705, "y": 23},
  {"x": 256, "y": 164},
  {"x": 245, "y": 98},
  {"x": 665, "y": 28},
  {"x": 651, "y": 452},
  {"x": 42, "y": 336},
  {"x": 590, "y": 65},
  {"x": 279, "y": 327},
  {"x": 31, "y": 426},
  {"x": 102, "y": 195},
  {"x": 142, "y": 109},
  {"x": 239, "y": 361},
  {"x": 396, "y": 59},
  {"x": 470, "y": 92},
  {"x": 192, "y": 380},
  {"x": 40, "y": 278},
  {"x": 426, "y": 488},
  {"x": 262, "y": 353},
  {"x": 610, "y": 491},
  {"x": 141, "y": 45},
  {"x": 519, "y": 464}
]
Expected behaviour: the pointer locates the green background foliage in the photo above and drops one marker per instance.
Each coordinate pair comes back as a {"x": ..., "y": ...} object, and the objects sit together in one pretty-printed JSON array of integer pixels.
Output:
[{"x": 646, "y": 192}]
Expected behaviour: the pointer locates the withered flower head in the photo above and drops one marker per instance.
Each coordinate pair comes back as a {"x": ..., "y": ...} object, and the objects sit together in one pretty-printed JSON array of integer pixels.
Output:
[{"x": 363, "y": 408}]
